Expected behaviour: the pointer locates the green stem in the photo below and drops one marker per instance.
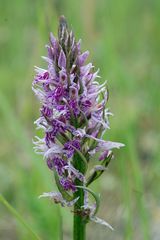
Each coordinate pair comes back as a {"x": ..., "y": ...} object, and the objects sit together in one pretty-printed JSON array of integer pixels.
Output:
[
  {"x": 79, "y": 231},
  {"x": 79, "y": 225}
]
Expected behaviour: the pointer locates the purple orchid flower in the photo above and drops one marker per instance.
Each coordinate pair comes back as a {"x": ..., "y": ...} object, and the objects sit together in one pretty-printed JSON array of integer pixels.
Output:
[{"x": 74, "y": 117}]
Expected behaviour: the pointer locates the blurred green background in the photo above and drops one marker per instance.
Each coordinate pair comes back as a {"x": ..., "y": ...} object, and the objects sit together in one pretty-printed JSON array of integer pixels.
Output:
[{"x": 124, "y": 42}]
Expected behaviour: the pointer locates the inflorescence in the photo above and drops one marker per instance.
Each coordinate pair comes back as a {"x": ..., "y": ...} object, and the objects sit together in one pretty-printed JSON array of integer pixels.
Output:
[{"x": 74, "y": 118}]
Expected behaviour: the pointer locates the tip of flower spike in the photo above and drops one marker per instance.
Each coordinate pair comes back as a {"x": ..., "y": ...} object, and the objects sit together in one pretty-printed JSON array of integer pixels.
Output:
[
  {"x": 62, "y": 19},
  {"x": 62, "y": 26}
]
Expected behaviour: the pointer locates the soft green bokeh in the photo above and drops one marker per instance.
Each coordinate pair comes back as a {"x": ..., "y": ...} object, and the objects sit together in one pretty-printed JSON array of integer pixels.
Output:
[{"x": 124, "y": 42}]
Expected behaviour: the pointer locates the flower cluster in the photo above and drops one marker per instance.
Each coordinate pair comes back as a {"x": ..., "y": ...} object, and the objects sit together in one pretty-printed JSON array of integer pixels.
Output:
[{"x": 73, "y": 116}]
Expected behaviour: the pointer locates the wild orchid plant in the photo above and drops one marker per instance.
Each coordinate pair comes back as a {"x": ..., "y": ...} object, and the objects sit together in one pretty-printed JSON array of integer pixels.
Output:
[{"x": 74, "y": 118}]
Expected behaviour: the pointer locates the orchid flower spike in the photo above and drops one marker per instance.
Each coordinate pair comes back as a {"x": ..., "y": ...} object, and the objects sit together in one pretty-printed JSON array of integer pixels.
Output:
[{"x": 73, "y": 117}]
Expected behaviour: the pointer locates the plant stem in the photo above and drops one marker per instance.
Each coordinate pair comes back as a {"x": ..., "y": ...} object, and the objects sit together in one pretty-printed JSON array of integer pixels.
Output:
[
  {"x": 79, "y": 225},
  {"x": 79, "y": 231}
]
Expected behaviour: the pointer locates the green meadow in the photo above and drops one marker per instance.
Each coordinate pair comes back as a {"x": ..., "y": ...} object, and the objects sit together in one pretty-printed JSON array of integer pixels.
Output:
[{"x": 124, "y": 42}]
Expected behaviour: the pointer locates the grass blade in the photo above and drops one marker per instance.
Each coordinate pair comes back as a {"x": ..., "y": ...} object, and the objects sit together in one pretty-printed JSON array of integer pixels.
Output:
[{"x": 18, "y": 217}]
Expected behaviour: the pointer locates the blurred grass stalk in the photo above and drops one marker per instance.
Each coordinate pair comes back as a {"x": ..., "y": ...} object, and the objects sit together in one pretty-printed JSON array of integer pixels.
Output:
[{"x": 18, "y": 217}]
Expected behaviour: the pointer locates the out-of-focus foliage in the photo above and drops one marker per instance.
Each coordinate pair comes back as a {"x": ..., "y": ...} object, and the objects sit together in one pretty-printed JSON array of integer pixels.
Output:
[{"x": 123, "y": 39}]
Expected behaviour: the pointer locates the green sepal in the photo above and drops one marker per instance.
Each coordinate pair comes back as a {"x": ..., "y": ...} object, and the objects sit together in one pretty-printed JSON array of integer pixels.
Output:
[{"x": 97, "y": 173}]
